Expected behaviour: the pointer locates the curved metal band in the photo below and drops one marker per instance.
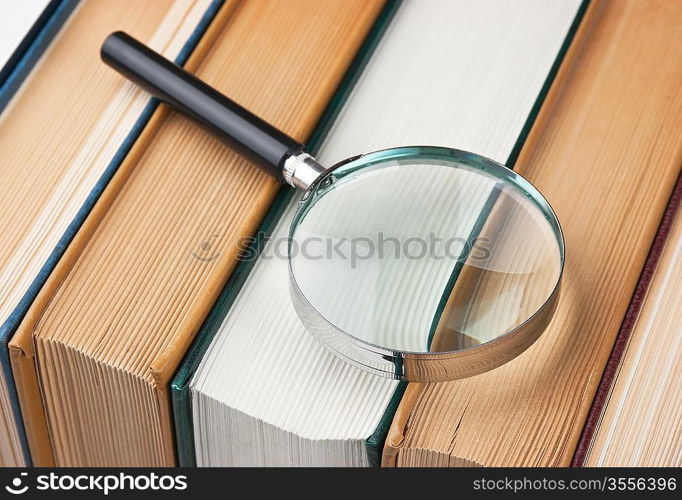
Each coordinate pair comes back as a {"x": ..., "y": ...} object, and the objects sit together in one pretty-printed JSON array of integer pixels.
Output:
[{"x": 426, "y": 367}]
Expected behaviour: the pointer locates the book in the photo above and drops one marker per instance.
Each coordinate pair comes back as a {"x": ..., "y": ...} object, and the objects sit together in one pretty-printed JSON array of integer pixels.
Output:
[
  {"x": 62, "y": 135},
  {"x": 637, "y": 421},
  {"x": 609, "y": 191},
  {"x": 16, "y": 25},
  {"x": 94, "y": 356},
  {"x": 26, "y": 30},
  {"x": 257, "y": 389}
]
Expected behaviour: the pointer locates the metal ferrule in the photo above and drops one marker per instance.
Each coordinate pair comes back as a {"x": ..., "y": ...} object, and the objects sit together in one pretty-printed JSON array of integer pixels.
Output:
[{"x": 301, "y": 169}]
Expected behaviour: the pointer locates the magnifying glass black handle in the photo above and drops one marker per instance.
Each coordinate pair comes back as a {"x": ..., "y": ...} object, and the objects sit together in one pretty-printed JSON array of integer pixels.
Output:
[{"x": 251, "y": 136}]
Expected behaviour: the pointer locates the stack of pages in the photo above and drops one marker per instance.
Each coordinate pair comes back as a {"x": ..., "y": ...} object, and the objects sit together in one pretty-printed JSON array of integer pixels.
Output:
[
  {"x": 62, "y": 136},
  {"x": 639, "y": 424},
  {"x": 265, "y": 392}
]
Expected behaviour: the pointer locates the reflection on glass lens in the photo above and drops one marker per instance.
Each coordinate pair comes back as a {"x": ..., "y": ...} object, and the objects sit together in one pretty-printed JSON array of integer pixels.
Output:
[{"x": 424, "y": 253}]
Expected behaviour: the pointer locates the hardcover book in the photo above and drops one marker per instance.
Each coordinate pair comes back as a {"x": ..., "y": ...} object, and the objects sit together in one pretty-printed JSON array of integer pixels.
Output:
[
  {"x": 94, "y": 355},
  {"x": 62, "y": 136}
]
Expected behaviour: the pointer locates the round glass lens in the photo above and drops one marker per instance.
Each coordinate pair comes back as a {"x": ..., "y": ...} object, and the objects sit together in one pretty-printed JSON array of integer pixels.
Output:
[{"x": 425, "y": 249}]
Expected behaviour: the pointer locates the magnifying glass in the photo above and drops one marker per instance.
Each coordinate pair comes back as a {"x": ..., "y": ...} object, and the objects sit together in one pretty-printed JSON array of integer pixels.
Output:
[{"x": 417, "y": 263}]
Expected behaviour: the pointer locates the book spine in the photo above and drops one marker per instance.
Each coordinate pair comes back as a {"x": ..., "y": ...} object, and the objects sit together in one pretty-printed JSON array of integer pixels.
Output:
[{"x": 32, "y": 48}]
